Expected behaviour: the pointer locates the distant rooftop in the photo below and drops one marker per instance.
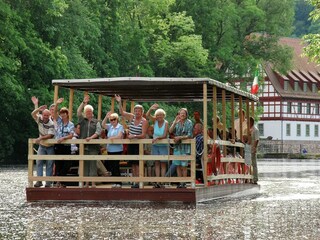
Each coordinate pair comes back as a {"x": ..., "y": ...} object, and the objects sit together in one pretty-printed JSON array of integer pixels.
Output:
[{"x": 302, "y": 72}]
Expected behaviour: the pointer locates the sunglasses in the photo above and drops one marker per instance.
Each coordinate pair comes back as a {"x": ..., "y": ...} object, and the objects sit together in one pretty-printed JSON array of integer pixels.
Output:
[{"x": 113, "y": 119}]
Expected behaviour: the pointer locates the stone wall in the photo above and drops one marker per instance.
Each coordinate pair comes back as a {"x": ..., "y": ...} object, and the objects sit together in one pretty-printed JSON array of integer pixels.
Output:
[{"x": 278, "y": 146}]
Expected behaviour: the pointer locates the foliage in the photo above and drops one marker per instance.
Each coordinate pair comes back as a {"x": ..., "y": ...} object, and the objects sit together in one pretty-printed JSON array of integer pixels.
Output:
[
  {"x": 45, "y": 40},
  {"x": 312, "y": 50},
  {"x": 226, "y": 26}
]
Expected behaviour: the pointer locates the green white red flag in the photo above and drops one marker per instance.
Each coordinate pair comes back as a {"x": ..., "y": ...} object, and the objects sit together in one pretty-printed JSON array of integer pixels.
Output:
[{"x": 255, "y": 84}]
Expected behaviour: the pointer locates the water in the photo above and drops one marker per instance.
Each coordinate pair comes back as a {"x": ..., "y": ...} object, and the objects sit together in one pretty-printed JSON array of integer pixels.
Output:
[{"x": 288, "y": 207}]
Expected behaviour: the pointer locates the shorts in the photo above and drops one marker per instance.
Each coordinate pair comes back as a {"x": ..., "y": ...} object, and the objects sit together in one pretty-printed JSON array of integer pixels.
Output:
[
  {"x": 160, "y": 150},
  {"x": 181, "y": 163}
]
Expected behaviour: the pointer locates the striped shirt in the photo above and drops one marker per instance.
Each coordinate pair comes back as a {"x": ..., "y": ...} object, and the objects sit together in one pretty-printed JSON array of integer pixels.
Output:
[
  {"x": 135, "y": 129},
  {"x": 199, "y": 147}
]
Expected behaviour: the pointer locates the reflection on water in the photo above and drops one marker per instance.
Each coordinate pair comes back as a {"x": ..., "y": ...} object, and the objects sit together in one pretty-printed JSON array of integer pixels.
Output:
[{"x": 288, "y": 207}]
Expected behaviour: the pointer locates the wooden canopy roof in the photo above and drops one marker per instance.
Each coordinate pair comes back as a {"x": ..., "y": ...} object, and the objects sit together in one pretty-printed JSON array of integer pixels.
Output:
[{"x": 154, "y": 88}]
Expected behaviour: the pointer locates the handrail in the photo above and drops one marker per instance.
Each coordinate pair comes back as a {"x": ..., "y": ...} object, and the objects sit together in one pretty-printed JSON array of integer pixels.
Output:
[{"x": 81, "y": 157}]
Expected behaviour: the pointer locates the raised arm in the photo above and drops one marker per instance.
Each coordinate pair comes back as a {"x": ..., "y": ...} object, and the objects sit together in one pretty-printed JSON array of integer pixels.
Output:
[
  {"x": 148, "y": 114},
  {"x": 123, "y": 113},
  {"x": 81, "y": 106},
  {"x": 104, "y": 122},
  {"x": 35, "y": 102},
  {"x": 35, "y": 112},
  {"x": 174, "y": 123},
  {"x": 56, "y": 115}
]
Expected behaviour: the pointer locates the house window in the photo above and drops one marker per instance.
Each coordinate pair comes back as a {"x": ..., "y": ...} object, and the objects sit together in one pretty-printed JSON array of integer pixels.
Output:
[
  {"x": 261, "y": 129},
  {"x": 285, "y": 87},
  {"x": 300, "y": 108},
  {"x": 288, "y": 129},
  {"x": 296, "y": 86},
  {"x": 316, "y": 130},
  {"x": 316, "y": 106},
  {"x": 308, "y": 130},
  {"x": 289, "y": 107},
  {"x": 314, "y": 88},
  {"x": 305, "y": 87},
  {"x": 298, "y": 130},
  {"x": 308, "y": 108}
]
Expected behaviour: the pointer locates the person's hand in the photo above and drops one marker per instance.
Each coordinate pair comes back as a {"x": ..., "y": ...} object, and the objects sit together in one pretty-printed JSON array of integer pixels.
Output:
[
  {"x": 131, "y": 136},
  {"x": 88, "y": 139},
  {"x": 86, "y": 99},
  {"x": 60, "y": 140},
  {"x": 38, "y": 140},
  {"x": 155, "y": 140},
  {"x": 177, "y": 119},
  {"x": 60, "y": 100},
  {"x": 108, "y": 114},
  {"x": 43, "y": 107},
  {"x": 35, "y": 100},
  {"x": 154, "y": 106},
  {"x": 117, "y": 97},
  {"x": 177, "y": 139}
]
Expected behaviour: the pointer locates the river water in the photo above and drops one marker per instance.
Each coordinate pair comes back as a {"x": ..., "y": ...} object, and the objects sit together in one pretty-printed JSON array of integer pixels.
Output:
[{"x": 287, "y": 207}]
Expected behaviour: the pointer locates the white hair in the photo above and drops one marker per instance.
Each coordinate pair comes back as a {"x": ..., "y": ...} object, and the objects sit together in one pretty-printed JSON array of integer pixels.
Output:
[
  {"x": 160, "y": 111},
  {"x": 88, "y": 107}
]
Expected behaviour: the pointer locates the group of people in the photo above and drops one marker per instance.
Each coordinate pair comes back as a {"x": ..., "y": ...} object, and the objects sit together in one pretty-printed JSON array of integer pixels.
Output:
[
  {"x": 55, "y": 123},
  {"x": 241, "y": 134}
]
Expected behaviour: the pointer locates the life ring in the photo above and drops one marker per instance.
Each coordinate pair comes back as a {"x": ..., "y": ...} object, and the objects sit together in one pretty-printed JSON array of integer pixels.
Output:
[{"x": 215, "y": 158}]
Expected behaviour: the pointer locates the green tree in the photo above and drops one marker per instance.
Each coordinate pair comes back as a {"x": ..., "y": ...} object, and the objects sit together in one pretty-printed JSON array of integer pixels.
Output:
[
  {"x": 312, "y": 50},
  {"x": 238, "y": 34}
]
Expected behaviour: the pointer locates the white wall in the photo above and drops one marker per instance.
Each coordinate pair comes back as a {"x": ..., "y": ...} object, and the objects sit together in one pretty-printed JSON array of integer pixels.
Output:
[{"x": 273, "y": 128}]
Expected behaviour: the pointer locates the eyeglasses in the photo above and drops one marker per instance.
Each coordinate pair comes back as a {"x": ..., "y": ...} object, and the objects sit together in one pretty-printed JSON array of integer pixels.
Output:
[{"x": 113, "y": 119}]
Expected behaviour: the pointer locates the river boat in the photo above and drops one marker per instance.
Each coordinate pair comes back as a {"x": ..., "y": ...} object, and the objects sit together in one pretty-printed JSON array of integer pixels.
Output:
[{"x": 222, "y": 175}]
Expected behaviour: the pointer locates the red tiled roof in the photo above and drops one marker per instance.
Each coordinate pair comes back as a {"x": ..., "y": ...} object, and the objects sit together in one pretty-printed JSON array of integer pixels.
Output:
[{"x": 302, "y": 71}]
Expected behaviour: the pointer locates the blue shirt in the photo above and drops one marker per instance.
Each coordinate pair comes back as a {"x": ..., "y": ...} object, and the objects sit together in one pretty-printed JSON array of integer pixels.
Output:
[
  {"x": 63, "y": 130},
  {"x": 114, "y": 131}
]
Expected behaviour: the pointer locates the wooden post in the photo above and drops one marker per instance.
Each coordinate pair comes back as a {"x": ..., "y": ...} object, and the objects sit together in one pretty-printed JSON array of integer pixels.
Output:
[
  {"x": 248, "y": 116},
  {"x": 112, "y": 105},
  {"x": 30, "y": 163},
  {"x": 56, "y": 93},
  {"x": 248, "y": 127},
  {"x": 81, "y": 163},
  {"x": 124, "y": 107},
  {"x": 214, "y": 111},
  {"x": 141, "y": 164},
  {"x": 132, "y": 106},
  {"x": 205, "y": 136},
  {"x": 240, "y": 134},
  {"x": 224, "y": 122},
  {"x": 233, "y": 135},
  {"x": 232, "y": 117},
  {"x": 193, "y": 164},
  {"x": 71, "y": 96},
  {"x": 99, "y": 106}
]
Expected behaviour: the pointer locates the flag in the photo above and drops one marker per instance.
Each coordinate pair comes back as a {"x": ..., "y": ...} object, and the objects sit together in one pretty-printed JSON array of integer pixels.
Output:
[{"x": 255, "y": 84}]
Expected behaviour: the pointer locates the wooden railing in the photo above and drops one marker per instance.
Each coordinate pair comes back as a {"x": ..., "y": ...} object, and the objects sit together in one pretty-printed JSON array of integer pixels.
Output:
[
  {"x": 81, "y": 158},
  {"x": 225, "y": 175}
]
